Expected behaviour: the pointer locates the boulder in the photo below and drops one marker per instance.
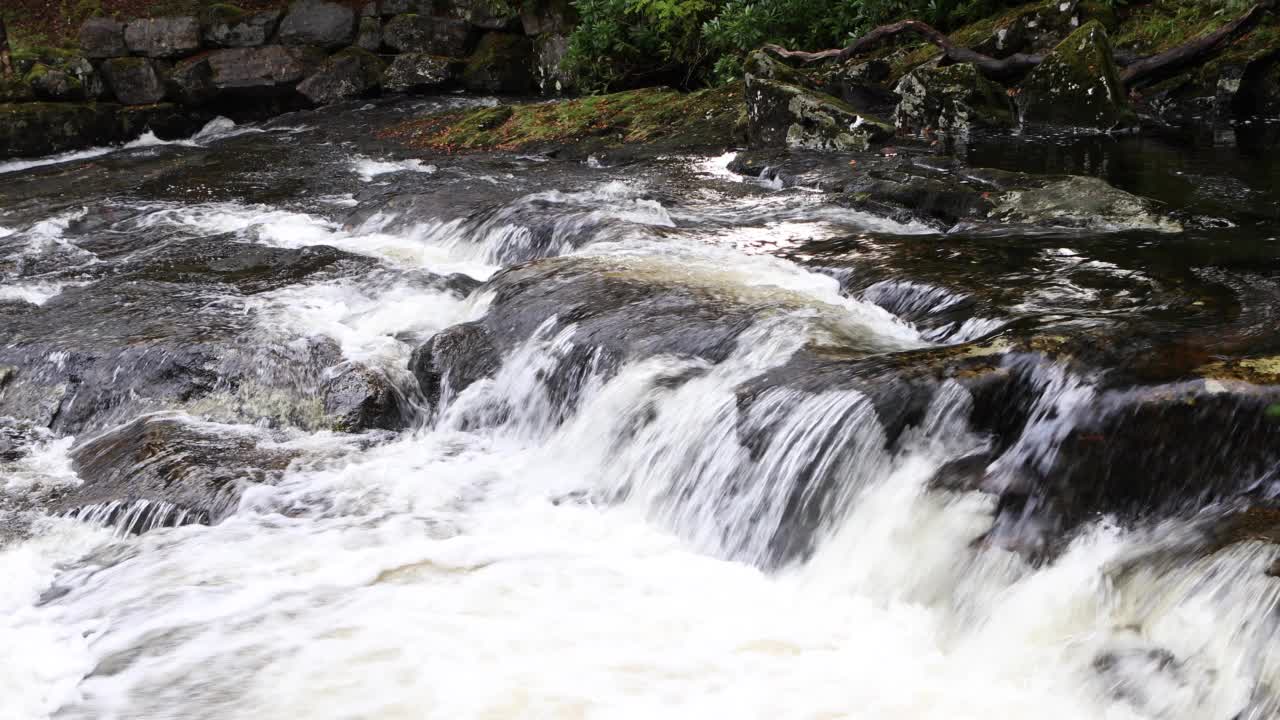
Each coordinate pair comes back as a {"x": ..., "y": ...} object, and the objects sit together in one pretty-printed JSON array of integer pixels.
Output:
[
  {"x": 862, "y": 84},
  {"x": 539, "y": 17},
  {"x": 954, "y": 99},
  {"x": 369, "y": 36},
  {"x": 453, "y": 359},
  {"x": 387, "y": 8},
  {"x": 426, "y": 34},
  {"x": 1077, "y": 85},
  {"x": 1259, "y": 88},
  {"x": 55, "y": 84},
  {"x": 500, "y": 64},
  {"x": 413, "y": 72},
  {"x": 167, "y": 37},
  {"x": 102, "y": 38},
  {"x": 168, "y": 121},
  {"x": 1030, "y": 28},
  {"x": 191, "y": 81},
  {"x": 266, "y": 68},
  {"x": 1080, "y": 202},
  {"x": 91, "y": 81},
  {"x": 134, "y": 81},
  {"x": 350, "y": 73},
  {"x": 780, "y": 114},
  {"x": 226, "y": 26},
  {"x": 320, "y": 23},
  {"x": 358, "y": 398},
  {"x": 549, "y": 75},
  {"x": 42, "y": 128},
  {"x": 486, "y": 14}
]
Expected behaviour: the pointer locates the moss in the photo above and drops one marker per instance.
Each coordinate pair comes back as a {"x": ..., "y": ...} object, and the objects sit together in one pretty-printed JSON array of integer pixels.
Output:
[
  {"x": 370, "y": 64},
  {"x": 1257, "y": 371},
  {"x": 1078, "y": 84},
  {"x": 707, "y": 117},
  {"x": 15, "y": 90},
  {"x": 222, "y": 13}
]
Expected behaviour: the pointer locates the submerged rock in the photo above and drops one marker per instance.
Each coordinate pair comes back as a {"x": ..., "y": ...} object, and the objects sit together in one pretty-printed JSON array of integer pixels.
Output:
[
  {"x": 319, "y": 23},
  {"x": 501, "y": 63},
  {"x": 1081, "y": 202},
  {"x": 412, "y": 72},
  {"x": 955, "y": 99},
  {"x": 1077, "y": 85},
  {"x": 349, "y": 74},
  {"x": 134, "y": 81},
  {"x": 167, "y": 37},
  {"x": 166, "y": 469},
  {"x": 453, "y": 359}
]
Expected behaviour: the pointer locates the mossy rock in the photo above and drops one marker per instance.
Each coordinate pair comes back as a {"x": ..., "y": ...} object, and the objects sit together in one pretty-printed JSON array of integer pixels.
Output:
[
  {"x": 501, "y": 63},
  {"x": 55, "y": 84},
  {"x": 41, "y": 128},
  {"x": 955, "y": 99},
  {"x": 1077, "y": 85},
  {"x": 15, "y": 90},
  {"x": 781, "y": 114},
  {"x": 350, "y": 73},
  {"x": 221, "y": 13},
  {"x": 657, "y": 117}
]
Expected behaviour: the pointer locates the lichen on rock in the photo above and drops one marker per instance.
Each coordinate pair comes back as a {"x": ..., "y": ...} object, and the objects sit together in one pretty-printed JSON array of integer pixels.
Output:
[
  {"x": 953, "y": 99},
  {"x": 1077, "y": 85}
]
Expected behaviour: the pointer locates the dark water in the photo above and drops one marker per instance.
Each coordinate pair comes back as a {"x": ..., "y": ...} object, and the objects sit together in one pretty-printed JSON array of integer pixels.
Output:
[{"x": 294, "y": 422}]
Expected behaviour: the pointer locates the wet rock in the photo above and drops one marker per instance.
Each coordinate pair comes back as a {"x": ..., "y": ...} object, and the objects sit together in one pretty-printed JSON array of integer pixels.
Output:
[
  {"x": 862, "y": 84},
  {"x": 540, "y": 17},
  {"x": 1259, "y": 88},
  {"x": 319, "y": 23},
  {"x": 166, "y": 469},
  {"x": 1081, "y": 202},
  {"x": 413, "y": 33},
  {"x": 102, "y": 38},
  {"x": 955, "y": 99},
  {"x": 1031, "y": 28},
  {"x": 263, "y": 69},
  {"x": 229, "y": 27},
  {"x": 55, "y": 84},
  {"x": 369, "y": 36},
  {"x": 351, "y": 73},
  {"x": 167, "y": 37},
  {"x": 168, "y": 121},
  {"x": 1077, "y": 85},
  {"x": 134, "y": 81},
  {"x": 91, "y": 81},
  {"x": 358, "y": 398},
  {"x": 784, "y": 114},
  {"x": 500, "y": 64},
  {"x": 549, "y": 52},
  {"x": 41, "y": 128},
  {"x": 486, "y": 14},
  {"x": 413, "y": 72},
  {"x": 453, "y": 359}
]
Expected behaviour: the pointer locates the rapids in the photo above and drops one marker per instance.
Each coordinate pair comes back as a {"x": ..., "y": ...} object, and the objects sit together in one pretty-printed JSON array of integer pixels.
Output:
[{"x": 712, "y": 471}]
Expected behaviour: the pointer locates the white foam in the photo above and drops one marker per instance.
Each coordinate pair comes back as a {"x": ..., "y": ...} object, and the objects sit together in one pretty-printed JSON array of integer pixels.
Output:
[
  {"x": 368, "y": 168},
  {"x": 35, "y": 292}
]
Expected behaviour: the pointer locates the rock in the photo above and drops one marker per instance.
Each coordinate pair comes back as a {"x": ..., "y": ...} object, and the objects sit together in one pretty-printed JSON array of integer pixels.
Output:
[
  {"x": 167, "y": 37},
  {"x": 413, "y": 72},
  {"x": 320, "y": 23},
  {"x": 168, "y": 121},
  {"x": 349, "y": 74},
  {"x": 486, "y": 14},
  {"x": 16, "y": 90},
  {"x": 42, "y": 128},
  {"x": 540, "y": 17},
  {"x": 426, "y": 34},
  {"x": 1259, "y": 88},
  {"x": 1077, "y": 85},
  {"x": 53, "y": 84},
  {"x": 549, "y": 75},
  {"x": 192, "y": 81},
  {"x": 369, "y": 36},
  {"x": 1081, "y": 202},
  {"x": 102, "y": 38},
  {"x": 387, "y": 8},
  {"x": 781, "y": 114},
  {"x": 91, "y": 81},
  {"x": 226, "y": 26},
  {"x": 1030, "y": 28},
  {"x": 862, "y": 85},
  {"x": 166, "y": 469},
  {"x": 453, "y": 359},
  {"x": 358, "y": 398},
  {"x": 954, "y": 99},
  {"x": 500, "y": 64},
  {"x": 264, "y": 69},
  {"x": 134, "y": 81}
]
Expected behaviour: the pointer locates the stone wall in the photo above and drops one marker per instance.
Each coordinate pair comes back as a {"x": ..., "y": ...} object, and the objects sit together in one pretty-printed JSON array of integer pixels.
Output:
[{"x": 170, "y": 74}]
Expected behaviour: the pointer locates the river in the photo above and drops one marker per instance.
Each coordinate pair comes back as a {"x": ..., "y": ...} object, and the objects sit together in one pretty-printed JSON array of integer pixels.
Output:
[{"x": 714, "y": 472}]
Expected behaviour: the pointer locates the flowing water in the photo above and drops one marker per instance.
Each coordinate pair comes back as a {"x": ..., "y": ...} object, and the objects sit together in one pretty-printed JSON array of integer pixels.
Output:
[{"x": 713, "y": 473}]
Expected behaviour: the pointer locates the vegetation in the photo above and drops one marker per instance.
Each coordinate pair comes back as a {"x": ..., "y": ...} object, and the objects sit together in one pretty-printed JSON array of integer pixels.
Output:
[{"x": 689, "y": 43}]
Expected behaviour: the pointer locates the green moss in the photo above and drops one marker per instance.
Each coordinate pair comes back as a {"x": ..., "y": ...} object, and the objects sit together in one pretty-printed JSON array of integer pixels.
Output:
[
  {"x": 707, "y": 116},
  {"x": 222, "y": 13},
  {"x": 15, "y": 90}
]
